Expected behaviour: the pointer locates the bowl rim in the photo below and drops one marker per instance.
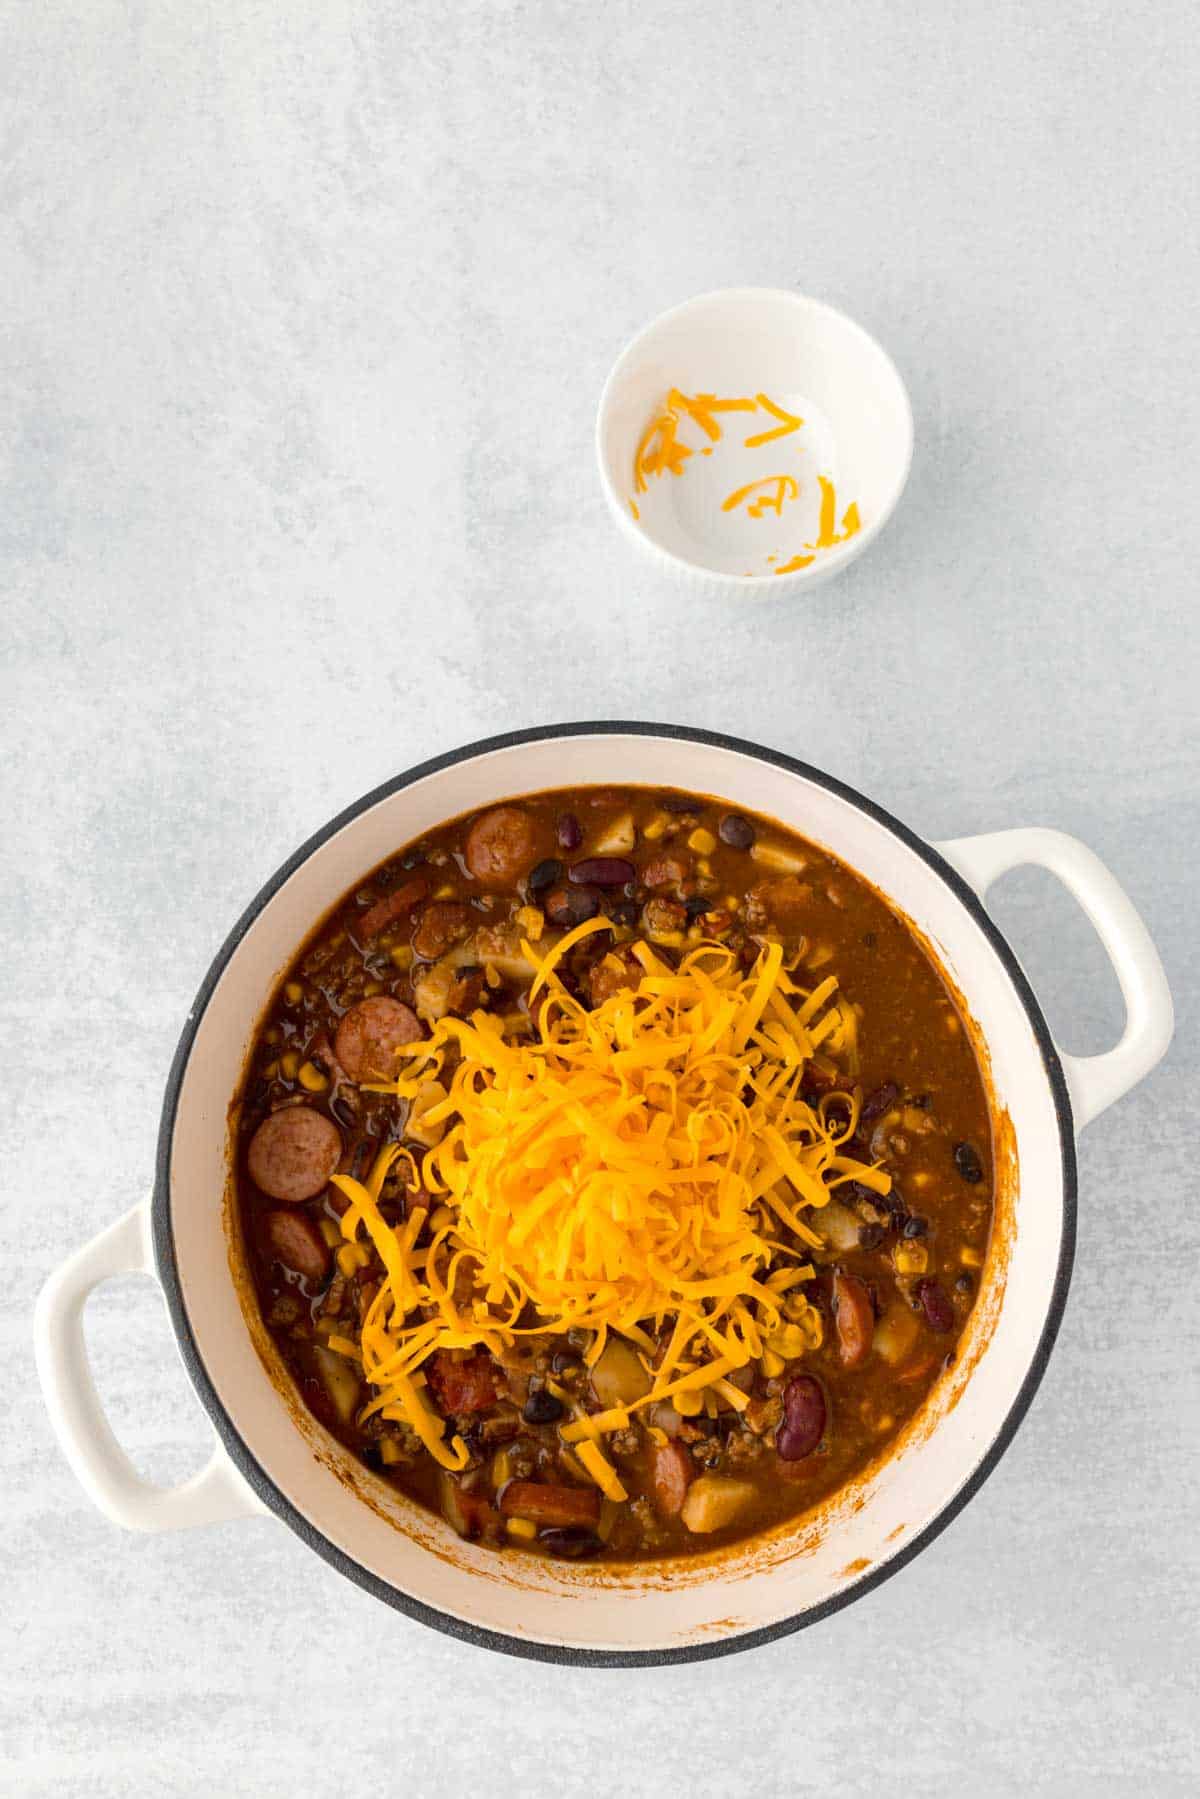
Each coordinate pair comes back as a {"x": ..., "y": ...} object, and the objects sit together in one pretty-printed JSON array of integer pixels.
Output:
[
  {"x": 278, "y": 1502},
  {"x": 756, "y": 586}
]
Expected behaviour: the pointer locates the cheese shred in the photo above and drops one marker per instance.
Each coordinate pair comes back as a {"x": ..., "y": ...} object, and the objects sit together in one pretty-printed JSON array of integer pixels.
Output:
[{"x": 625, "y": 1169}]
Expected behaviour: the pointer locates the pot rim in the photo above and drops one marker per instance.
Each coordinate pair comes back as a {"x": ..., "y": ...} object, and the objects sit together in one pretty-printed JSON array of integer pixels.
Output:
[{"x": 279, "y": 1502}]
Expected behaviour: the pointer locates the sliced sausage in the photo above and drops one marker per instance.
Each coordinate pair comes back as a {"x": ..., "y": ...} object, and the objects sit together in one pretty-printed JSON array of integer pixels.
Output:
[
  {"x": 665, "y": 871},
  {"x": 370, "y": 1034},
  {"x": 442, "y": 924},
  {"x": 544, "y": 1504},
  {"x": 671, "y": 1474},
  {"x": 501, "y": 846},
  {"x": 459, "y": 1387},
  {"x": 391, "y": 907},
  {"x": 854, "y": 1317},
  {"x": 294, "y": 1239},
  {"x": 293, "y": 1153},
  {"x": 619, "y": 969}
]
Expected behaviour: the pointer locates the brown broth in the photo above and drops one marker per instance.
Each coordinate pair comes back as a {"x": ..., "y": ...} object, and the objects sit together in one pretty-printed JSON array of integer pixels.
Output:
[{"x": 911, "y": 1038}]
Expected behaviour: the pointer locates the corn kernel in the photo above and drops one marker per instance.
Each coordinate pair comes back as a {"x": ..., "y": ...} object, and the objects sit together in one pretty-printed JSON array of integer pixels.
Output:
[
  {"x": 501, "y": 1469},
  {"x": 311, "y": 1078},
  {"x": 293, "y": 993},
  {"x": 702, "y": 841},
  {"x": 442, "y": 1216},
  {"x": 347, "y": 1259},
  {"x": 390, "y": 1451},
  {"x": 522, "y": 1528},
  {"x": 271, "y": 1034},
  {"x": 970, "y": 1258},
  {"x": 270, "y": 1071},
  {"x": 654, "y": 830},
  {"x": 666, "y": 939},
  {"x": 289, "y": 1065},
  {"x": 445, "y": 891},
  {"x": 689, "y": 1404},
  {"x": 401, "y": 954},
  {"x": 910, "y": 1258},
  {"x": 772, "y": 1364},
  {"x": 492, "y": 975},
  {"x": 372, "y": 988},
  {"x": 331, "y": 1232}
]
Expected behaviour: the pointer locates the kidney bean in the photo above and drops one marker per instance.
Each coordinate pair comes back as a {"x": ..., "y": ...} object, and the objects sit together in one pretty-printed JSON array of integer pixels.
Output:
[
  {"x": 939, "y": 1313},
  {"x": 601, "y": 871},
  {"x": 855, "y": 1319},
  {"x": 879, "y": 1101},
  {"x": 966, "y": 1160},
  {"x": 544, "y": 875},
  {"x": 736, "y": 831},
  {"x": 804, "y": 1417},
  {"x": 573, "y": 1544},
  {"x": 564, "y": 905},
  {"x": 569, "y": 832}
]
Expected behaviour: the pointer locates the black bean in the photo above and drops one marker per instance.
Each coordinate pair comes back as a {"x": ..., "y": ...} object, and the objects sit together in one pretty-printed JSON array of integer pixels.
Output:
[
  {"x": 601, "y": 871},
  {"x": 736, "y": 831},
  {"x": 881, "y": 1100},
  {"x": 544, "y": 875},
  {"x": 915, "y": 1226},
  {"x": 542, "y": 1407},
  {"x": 570, "y": 1541},
  {"x": 676, "y": 802},
  {"x": 963, "y": 1284},
  {"x": 870, "y": 1236},
  {"x": 939, "y": 1313},
  {"x": 413, "y": 859},
  {"x": 698, "y": 904},
  {"x": 561, "y": 1362},
  {"x": 564, "y": 905},
  {"x": 966, "y": 1160},
  {"x": 568, "y": 832},
  {"x": 624, "y": 912}
]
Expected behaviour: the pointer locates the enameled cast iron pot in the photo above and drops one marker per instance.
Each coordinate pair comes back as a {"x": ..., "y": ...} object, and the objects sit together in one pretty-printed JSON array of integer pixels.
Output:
[{"x": 271, "y": 1456}]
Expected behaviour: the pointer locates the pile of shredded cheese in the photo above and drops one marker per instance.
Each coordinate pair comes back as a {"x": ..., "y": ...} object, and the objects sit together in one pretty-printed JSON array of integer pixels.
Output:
[{"x": 626, "y": 1169}]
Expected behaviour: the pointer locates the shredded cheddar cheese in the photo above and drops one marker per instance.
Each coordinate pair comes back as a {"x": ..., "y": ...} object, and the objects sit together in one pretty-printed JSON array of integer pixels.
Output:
[{"x": 624, "y": 1169}]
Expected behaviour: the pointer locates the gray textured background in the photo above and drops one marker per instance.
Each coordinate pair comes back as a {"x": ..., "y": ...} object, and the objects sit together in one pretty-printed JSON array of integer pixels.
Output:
[{"x": 304, "y": 312}]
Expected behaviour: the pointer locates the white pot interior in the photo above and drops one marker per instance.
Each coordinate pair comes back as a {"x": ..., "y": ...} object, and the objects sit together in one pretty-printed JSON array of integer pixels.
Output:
[{"x": 645, "y": 1609}]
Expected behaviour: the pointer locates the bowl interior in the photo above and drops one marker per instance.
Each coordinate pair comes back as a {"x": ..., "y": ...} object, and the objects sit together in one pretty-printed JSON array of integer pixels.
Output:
[
  {"x": 739, "y": 506},
  {"x": 681, "y": 1607}
]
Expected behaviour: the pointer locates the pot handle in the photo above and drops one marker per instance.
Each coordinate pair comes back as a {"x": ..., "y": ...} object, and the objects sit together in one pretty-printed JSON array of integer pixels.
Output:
[
  {"x": 99, "y": 1463},
  {"x": 1094, "y": 1082}
]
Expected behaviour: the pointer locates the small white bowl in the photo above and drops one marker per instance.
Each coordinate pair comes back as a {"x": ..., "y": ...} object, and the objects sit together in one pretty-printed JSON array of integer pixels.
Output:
[{"x": 738, "y": 512}]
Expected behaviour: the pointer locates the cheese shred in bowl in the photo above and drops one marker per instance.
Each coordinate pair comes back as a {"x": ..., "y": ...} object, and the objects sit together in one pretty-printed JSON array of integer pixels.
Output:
[{"x": 624, "y": 1169}]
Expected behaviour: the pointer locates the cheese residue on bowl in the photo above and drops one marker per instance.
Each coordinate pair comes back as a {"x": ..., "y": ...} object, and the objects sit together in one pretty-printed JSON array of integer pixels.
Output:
[
  {"x": 762, "y": 489},
  {"x": 624, "y": 1169}
]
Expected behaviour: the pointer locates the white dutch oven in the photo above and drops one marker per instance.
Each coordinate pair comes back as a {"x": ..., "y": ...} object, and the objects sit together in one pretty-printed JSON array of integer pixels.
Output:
[{"x": 271, "y": 1457}]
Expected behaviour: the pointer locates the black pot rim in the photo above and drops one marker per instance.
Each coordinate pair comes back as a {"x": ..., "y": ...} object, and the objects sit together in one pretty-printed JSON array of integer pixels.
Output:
[{"x": 278, "y": 1502}]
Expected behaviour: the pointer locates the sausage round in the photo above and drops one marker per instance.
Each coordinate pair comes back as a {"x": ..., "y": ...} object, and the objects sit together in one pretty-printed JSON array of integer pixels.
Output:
[
  {"x": 501, "y": 845},
  {"x": 370, "y": 1034},
  {"x": 293, "y": 1153},
  {"x": 672, "y": 1473},
  {"x": 293, "y": 1239},
  {"x": 443, "y": 923}
]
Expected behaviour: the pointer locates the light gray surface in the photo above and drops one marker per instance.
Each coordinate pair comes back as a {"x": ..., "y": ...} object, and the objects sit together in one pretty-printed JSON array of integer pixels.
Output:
[{"x": 305, "y": 313}]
